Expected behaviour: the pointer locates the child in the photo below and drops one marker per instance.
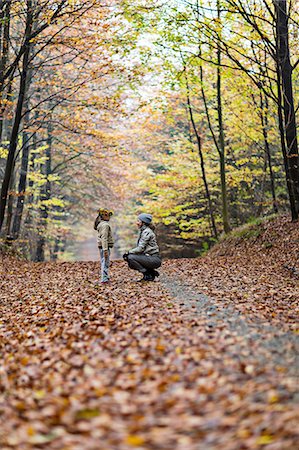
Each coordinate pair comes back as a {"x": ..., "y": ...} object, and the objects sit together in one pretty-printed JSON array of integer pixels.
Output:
[{"x": 105, "y": 241}]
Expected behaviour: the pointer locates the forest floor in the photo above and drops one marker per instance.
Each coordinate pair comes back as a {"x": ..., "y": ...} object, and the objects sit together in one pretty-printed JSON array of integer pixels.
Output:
[{"x": 205, "y": 358}]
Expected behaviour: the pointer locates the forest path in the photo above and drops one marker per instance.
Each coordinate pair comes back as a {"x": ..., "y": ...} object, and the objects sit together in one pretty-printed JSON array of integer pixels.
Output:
[
  {"x": 129, "y": 365},
  {"x": 259, "y": 341}
]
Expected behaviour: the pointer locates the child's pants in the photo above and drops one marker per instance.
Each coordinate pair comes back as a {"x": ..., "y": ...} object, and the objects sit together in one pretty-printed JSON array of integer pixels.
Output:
[{"x": 104, "y": 265}]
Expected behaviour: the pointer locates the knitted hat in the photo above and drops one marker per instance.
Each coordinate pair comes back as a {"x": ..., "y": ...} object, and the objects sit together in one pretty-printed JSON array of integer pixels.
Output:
[
  {"x": 145, "y": 218},
  {"x": 102, "y": 211}
]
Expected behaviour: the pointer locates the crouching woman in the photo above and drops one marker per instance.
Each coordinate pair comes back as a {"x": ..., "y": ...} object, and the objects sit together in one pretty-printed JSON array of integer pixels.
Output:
[{"x": 145, "y": 257}]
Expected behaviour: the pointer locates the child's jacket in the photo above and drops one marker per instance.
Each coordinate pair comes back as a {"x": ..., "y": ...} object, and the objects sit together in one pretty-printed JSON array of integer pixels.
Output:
[{"x": 105, "y": 239}]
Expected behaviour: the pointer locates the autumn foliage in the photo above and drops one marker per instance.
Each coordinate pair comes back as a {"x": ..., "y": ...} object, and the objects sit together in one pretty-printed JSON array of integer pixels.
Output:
[
  {"x": 183, "y": 110},
  {"x": 203, "y": 359}
]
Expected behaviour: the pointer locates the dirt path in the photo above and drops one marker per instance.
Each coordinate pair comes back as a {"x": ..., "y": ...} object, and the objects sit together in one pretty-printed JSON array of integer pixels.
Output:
[
  {"x": 264, "y": 343},
  {"x": 153, "y": 367}
]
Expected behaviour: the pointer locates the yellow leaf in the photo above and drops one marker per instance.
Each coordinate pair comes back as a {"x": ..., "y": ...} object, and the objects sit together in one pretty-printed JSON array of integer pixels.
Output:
[
  {"x": 265, "y": 439},
  {"x": 134, "y": 440},
  {"x": 3, "y": 152},
  {"x": 243, "y": 433},
  {"x": 24, "y": 361},
  {"x": 21, "y": 406},
  {"x": 273, "y": 397},
  {"x": 30, "y": 431},
  {"x": 100, "y": 392},
  {"x": 88, "y": 413},
  {"x": 160, "y": 347},
  {"x": 175, "y": 377},
  {"x": 38, "y": 395}
]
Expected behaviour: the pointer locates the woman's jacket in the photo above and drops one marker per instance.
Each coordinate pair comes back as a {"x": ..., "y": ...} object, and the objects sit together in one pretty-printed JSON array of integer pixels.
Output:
[{"x": 147, "y": 242}]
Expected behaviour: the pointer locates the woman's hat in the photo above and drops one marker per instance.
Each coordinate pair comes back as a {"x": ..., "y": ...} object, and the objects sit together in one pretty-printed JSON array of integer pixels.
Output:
[
  {"x": 102, "y": 211},
  {"x": 145, "y": 218}
]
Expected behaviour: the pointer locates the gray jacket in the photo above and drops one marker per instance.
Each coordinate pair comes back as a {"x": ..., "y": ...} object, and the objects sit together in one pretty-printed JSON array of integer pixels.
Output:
[{"x": 147, "y": 242}]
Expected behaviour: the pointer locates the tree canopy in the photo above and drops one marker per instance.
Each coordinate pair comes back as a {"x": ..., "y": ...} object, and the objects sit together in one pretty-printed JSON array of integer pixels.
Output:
[{"x": 183, "y": 109}]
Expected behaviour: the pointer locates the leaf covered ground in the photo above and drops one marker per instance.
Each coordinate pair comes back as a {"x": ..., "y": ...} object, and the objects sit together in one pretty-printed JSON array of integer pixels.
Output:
[
  {"x": 257, "y": 272},
  {"x": 156, "y": 365}
]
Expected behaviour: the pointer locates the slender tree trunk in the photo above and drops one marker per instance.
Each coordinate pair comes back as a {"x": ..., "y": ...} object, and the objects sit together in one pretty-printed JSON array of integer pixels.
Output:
[
  {"x": 23, "y": 179},
  {"x": 55, "y": 250},
  {"x": 263, "y": 186},
  {"x": 33, "y": 154},
  {"x": 10, "y": 202},
  {"x": 221, "y": 147},
  {"x": 24, "y": 163},
  {"x": 17, "y": 121},
  {"x": 285, "y": 72},
  {"x": 45, "y": 195},
  {"x": 264, "y": 107},
  {"x": 202, "y": 164},
  {"x": 4, "y": 46},
  {"x": 6, "y": 124},
  {"x": 226, "y": 226},
  {"x": 282, "y": 138},
  {"x": 29, "y": 218}
]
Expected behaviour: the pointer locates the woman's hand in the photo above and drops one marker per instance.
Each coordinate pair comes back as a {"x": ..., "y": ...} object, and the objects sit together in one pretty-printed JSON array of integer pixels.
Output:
[{"x": 106, "y": 254}]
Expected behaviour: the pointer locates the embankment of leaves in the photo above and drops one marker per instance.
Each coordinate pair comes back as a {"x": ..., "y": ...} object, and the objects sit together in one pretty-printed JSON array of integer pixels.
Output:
[{"x": 255, "y": 268}]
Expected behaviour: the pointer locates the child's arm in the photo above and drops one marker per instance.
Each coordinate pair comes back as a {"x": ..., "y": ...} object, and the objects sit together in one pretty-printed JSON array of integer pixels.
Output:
[{"x": 105, "y": 234}]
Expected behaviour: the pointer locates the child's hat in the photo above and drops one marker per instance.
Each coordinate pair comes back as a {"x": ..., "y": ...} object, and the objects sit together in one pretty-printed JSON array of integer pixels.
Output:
[{"x": 102, "y": 211}]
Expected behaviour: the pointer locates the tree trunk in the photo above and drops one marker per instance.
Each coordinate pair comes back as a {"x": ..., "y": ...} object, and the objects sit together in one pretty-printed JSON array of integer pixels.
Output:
[
  {"x": 28, "y": 225},
  {"x": 17, "y": 121},
  {"x": 285, "y": 71},
  {"x": 202, "y": 164},
  {"x": 221, "y": 147},
  {"x": 4, "y": 46},
  {"x": 55, "y": 249},
  {"x": 24, "y": 163},
  {"x": 23, "y": 180},
  {"x": 10, "y": 202},
  {"x": 45, "y": 195},
  {"x": 264, "y": 107},
  {"x": 263, "y": 187}
]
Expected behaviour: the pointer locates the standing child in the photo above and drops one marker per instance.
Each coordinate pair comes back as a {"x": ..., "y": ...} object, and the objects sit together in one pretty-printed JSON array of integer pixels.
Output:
[{"x": 105, "y": 241}]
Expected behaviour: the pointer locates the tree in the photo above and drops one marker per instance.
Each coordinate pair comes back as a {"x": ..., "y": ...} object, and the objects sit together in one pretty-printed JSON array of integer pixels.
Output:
[
  {"x": 285, "y": 71},
  {"x": 270, "y": 22},
  {"x": 39, "y": 18}
]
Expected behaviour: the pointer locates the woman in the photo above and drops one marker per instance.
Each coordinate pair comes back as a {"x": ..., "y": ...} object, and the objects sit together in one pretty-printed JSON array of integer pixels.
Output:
[{"x": 145, "y": 257}]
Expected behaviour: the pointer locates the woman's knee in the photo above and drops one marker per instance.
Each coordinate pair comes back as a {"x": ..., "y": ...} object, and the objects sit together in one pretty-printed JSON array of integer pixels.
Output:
[
  {"x": 157, "y": 264},
  {"x": 130, "y": 260}
]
